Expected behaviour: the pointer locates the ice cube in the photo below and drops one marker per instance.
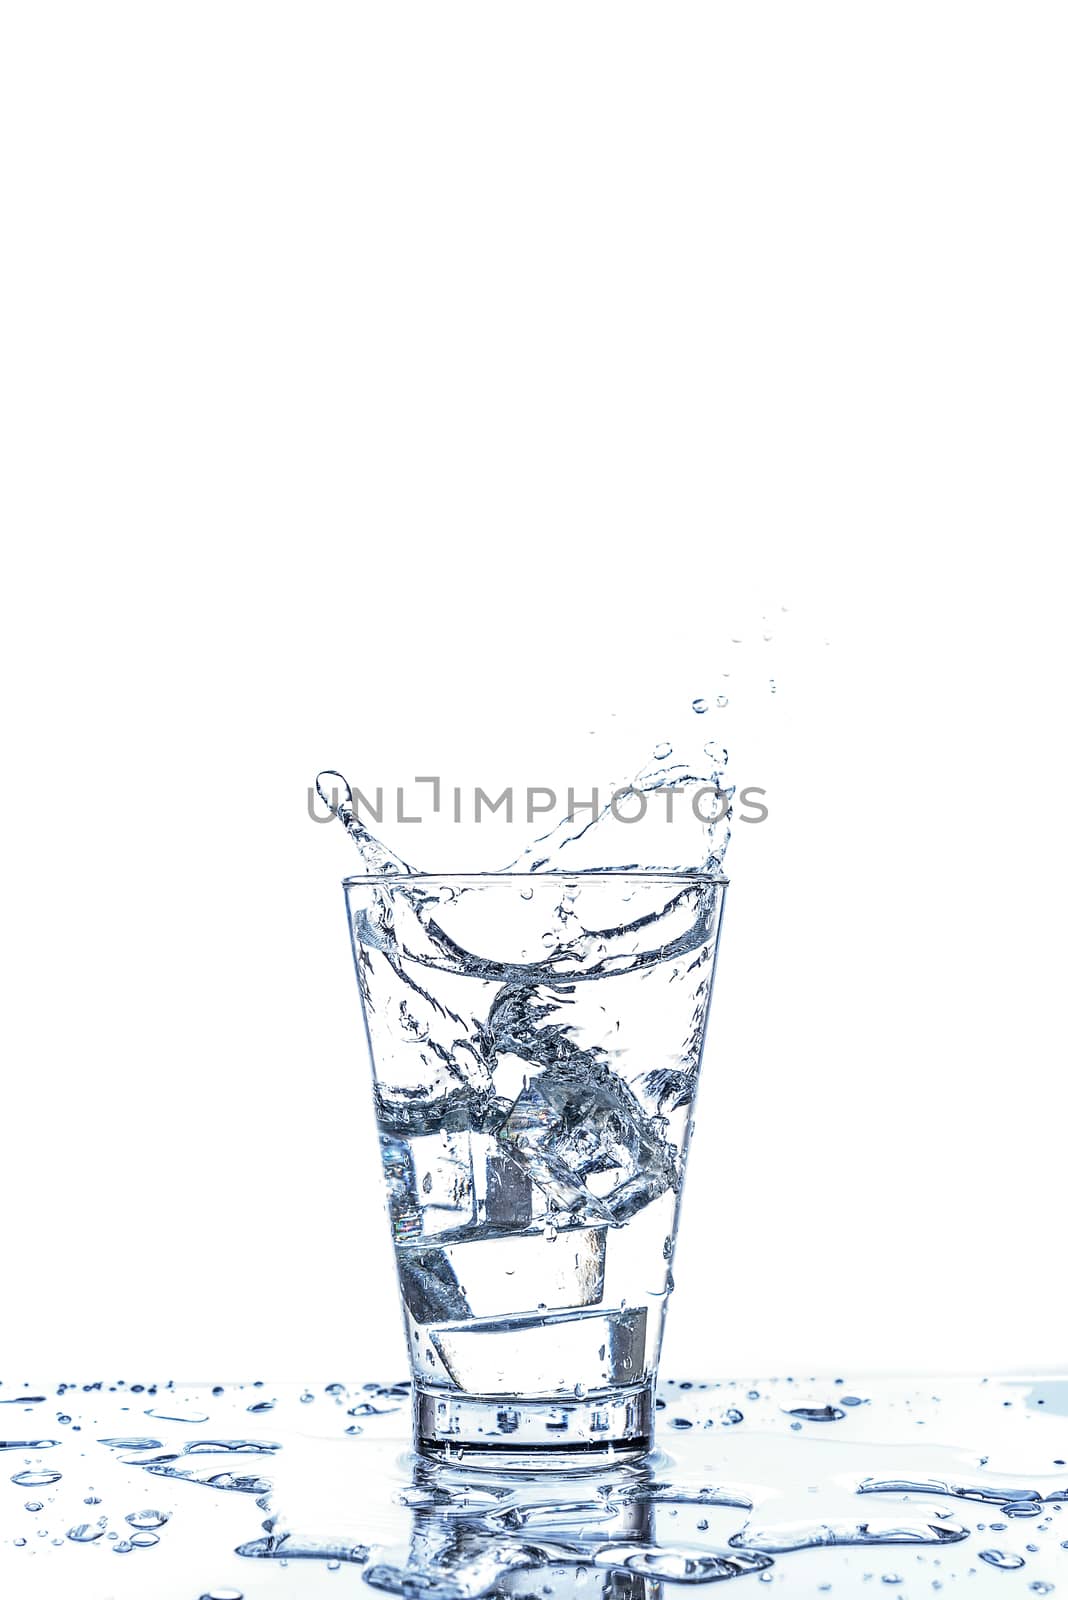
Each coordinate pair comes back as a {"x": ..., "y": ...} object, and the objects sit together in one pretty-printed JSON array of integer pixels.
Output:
[
  {"x": 576, "y": 1121},
  {"x": 508, "y": 1197},
  {"x": 547, "y": 1355},
  {"x": 429, "y": 1286},
  {"x": 502, "y": 1276}
]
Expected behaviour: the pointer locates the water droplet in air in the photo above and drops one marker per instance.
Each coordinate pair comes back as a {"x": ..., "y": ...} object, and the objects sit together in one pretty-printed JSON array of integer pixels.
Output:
[
  {"x": 35, "y": 1480},
  {"x": 1002, "y": 1558},
  {"x": 700, "y": 706}
]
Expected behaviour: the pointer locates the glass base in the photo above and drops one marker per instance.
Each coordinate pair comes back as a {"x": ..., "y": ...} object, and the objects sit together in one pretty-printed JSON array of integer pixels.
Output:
[{"x": 502, "y": 1431}]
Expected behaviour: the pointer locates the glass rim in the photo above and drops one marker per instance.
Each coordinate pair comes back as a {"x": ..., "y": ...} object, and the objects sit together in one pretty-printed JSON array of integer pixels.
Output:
[{"x": 468, "y": 879}]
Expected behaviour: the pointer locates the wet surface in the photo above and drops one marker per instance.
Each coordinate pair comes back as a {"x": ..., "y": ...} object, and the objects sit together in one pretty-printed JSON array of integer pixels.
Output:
[{"x": 805, "y": 1486}]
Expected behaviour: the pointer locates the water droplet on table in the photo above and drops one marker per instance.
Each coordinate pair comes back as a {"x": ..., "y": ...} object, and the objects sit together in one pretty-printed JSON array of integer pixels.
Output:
[
  {"x": 35, "y": 1480},
  {"x": 1002, "y": 1558},
  {"x": 85, "y": 1532},
  {"x": 148, "y": 1519}
]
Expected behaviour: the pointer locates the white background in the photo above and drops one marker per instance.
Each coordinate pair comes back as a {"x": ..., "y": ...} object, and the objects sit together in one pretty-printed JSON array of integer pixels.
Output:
[{"x": 413, "y": 389}]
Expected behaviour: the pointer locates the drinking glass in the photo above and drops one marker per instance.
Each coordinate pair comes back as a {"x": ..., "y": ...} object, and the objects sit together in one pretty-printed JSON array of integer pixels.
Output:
[{"x": 535, "y": 1041}]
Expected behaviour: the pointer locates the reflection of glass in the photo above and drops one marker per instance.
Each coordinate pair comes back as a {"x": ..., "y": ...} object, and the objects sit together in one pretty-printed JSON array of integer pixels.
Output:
[
  {"x": 589, "y": 1538},
  {"x": 536, "y": 1039}
]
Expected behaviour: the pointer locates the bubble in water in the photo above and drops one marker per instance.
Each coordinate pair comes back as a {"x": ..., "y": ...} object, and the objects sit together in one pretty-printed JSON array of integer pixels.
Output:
[
  {"x": 148, "y": 1519},
  {"x": 700, "y": 706},
  {"x": 1002, "y": 1558},
  {"x": 35, "y": 1480},
  {"x": 85, "y": 1532}
]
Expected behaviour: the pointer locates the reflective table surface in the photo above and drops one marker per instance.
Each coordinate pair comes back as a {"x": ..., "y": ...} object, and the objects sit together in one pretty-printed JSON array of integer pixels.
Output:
[{"x": 790, "y": 1485}]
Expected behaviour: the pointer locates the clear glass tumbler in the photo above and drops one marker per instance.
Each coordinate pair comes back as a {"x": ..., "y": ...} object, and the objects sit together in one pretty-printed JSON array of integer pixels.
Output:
[{"x": 535, "y": 1041}]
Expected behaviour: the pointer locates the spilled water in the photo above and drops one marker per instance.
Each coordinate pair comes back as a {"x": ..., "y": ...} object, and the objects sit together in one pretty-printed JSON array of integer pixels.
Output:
[{"x": 915, "y": 1489}]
